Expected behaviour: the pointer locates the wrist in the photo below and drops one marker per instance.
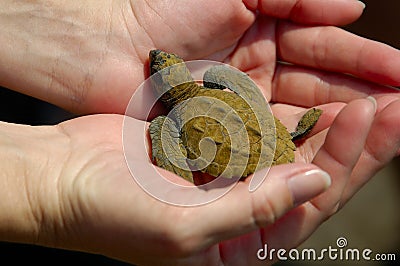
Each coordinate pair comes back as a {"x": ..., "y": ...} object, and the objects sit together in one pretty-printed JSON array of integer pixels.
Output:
[{"x": 30, "y": 164}]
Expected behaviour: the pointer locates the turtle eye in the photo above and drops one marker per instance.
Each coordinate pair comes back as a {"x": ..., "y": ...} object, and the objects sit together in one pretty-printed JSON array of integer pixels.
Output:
[
  {"x": 154, "y": 53},
  {"x": 160, "y": 60}
]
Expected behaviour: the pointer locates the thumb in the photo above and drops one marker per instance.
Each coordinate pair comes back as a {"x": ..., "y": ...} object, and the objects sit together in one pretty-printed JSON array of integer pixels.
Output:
[{"x": 242, "y": 211}]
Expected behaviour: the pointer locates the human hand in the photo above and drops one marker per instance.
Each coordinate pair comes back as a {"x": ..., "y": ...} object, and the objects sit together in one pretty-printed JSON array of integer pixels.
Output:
[
  {"x": 114, "y": 69},
  {"x": 93, "y": 54},
  {"x": 87, "y": 200}
]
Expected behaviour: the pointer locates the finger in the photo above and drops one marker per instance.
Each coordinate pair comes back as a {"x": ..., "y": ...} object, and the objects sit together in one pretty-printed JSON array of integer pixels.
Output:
[
  {"x": 336, "y": 50},
  {"x": 383, "y": 144},
  {"x": 342, "y": 148},
  {"x": 242, "y": 211},
  {"x": 343, "y": 145},
  {"x": 337, "y": 12},
  {"x": 255, "y": 53},
  {"x": 309, "y": 87}
]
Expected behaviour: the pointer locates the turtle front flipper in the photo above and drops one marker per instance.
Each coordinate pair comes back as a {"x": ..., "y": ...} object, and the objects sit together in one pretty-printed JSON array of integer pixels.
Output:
[
  {"x": 306, "y": 123},
  {"x": 221, "y": 76},
  {"x": 168, "y": 151}
]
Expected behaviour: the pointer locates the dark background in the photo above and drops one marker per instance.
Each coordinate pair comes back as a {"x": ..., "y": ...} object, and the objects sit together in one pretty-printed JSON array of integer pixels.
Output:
[{"x": 381, "y": 21}]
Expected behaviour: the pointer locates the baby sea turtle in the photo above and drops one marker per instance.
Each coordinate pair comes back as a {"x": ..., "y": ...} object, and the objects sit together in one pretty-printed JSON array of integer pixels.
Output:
[{"x": 213, "y": 130}]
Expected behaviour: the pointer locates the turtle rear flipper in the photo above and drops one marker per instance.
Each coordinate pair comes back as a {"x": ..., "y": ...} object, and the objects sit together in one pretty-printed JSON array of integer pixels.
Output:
[
  {"x": 167, "y": 149},
  {"x": 306, "y": 123}
]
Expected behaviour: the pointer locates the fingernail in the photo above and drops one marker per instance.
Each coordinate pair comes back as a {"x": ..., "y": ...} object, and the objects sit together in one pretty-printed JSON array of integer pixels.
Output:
[
  {"x": 362, "y": 4},
  {"x": 307, "y": 185},
  {"x": 372, "y": 99}
]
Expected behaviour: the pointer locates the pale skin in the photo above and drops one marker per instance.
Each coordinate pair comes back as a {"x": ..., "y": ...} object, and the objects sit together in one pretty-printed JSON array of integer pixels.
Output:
[{"x": 68, "y": 185}]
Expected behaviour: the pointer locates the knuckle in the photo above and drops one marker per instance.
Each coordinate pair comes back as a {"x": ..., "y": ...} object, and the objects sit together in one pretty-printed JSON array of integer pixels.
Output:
[
  {"x": 180, "y": 238},
  {"x": 264, "y": 211}
]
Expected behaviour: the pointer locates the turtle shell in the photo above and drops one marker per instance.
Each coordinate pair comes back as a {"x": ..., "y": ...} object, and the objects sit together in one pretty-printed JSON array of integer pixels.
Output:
[{"x": 225, "y": 136}]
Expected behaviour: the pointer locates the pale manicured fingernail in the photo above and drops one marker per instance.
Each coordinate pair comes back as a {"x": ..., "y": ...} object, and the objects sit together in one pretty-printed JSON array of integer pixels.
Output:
[
  {"x": 372, "y": 99},
  {"x": 362, "y": 4},
  {"x": 307, "y": 185}
]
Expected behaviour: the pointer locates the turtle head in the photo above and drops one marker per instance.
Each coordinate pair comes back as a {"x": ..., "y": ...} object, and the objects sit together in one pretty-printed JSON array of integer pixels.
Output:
[
  {"x": 160, "y": 60},
  {"x": 170, "y": 78}
]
